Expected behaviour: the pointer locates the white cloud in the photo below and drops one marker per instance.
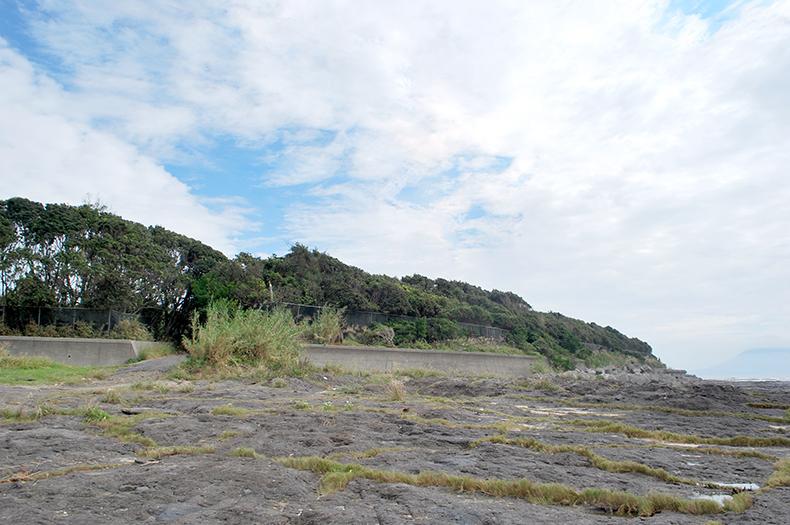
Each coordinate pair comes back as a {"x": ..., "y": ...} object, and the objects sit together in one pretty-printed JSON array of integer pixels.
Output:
[
  {"x": 648, "y": 187},
  {"x": 50, "y": 157}
]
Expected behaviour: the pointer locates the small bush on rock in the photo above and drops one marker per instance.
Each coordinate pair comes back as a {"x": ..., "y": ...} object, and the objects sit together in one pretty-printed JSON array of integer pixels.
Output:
[{"x": 131, "y": 329}]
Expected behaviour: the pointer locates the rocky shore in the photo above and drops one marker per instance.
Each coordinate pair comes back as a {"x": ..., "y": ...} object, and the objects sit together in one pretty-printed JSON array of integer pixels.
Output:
[{"x": 583, "y": 447}]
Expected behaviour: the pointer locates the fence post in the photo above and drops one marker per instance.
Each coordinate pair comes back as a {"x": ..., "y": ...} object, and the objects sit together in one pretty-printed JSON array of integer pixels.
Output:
[
  {"x": 39, "y": 316},
  {"x": 109, "y": 320}
]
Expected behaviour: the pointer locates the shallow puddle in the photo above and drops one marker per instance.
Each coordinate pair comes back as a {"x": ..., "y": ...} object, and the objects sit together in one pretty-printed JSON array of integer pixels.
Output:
[
  {"x": 718, "y": 498},
  {"x": 741, "y": 486}
]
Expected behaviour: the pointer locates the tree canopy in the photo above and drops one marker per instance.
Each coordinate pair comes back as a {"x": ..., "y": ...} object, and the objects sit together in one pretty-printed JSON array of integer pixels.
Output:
[{"x": 62, "y": 255}]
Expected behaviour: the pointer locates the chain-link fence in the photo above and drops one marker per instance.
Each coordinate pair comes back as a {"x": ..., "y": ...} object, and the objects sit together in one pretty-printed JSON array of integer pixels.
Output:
[
  {"x": 104, "y": 320},
  {"x": 309, "y": 311},
  {"x": 101, "y": 319}
]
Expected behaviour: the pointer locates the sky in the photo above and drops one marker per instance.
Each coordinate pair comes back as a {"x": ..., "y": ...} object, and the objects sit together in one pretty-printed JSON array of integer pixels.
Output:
[{"x": 623, "y": 162}]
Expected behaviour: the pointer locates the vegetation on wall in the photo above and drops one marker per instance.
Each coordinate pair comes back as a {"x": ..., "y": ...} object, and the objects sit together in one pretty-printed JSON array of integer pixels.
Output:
[{"x": 61, "y": 255}]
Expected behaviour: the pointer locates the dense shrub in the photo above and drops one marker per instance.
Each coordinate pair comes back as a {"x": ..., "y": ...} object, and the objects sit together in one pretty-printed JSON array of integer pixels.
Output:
[
  {"x": 131, "y": 329},
  {"x": 231, "y": 336},
  {"x": 408, "y": 332},
  {"x": 327, "y": 327},
  {"x": 376, "y": 335}
]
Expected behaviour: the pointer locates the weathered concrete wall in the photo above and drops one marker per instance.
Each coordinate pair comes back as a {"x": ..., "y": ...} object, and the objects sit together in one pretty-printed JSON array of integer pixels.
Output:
[
  {"x": 368, "y": 359},
  {"x": 76, "y": 351},
  {"x": 108, "y": 352}
]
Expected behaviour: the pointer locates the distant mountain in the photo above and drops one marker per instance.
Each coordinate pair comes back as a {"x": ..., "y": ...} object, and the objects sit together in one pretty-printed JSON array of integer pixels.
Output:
[{"x": 759, "y": 363}]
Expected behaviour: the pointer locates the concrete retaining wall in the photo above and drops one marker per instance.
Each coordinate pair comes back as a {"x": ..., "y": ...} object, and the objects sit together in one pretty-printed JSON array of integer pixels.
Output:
[
  {"x": 369, "y": 359},
  {"x": 108, "y": 352},
  {"x": 76, "y": 351}
]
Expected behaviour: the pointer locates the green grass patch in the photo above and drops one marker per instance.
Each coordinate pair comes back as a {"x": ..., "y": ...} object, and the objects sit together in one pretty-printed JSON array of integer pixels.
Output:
[
  {"x": 156, "y": 351},
  {"x": 476, "y": 344},
  {"x": 678, "y": 411},
  {"x": 123, "y": 427},
  {"x": 243, "y": 452},
  {"x": 94, "y": 415},
  {"x": 21, "y": 415},
  {"x": 228, "y": 434},
  {"x": 775, "y": 406},
  {"x": 232, "y": 337},
  {"x": 611, "y": 427},
  {"x": 178, "y": 450},
  {"x": 596, "y": 460},
  {"x": 230, "y": 410},
  {"x": 27, "y": 370},
  {"x": 781, "y": 474},
  {"x": 336, "y": 476},
  {"x": 24, "y": 476}
]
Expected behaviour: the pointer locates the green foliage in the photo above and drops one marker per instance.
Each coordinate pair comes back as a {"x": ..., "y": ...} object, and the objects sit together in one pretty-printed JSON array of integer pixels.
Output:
[
  {"x": 327, "y": 327},
  {"x": 60, "y": 255},
  {"x": 131, "y": 329},
  {"x": 231, "y": 336},
  {"x": 408, "y": 332},
  {"x": 28, "y": 370}
]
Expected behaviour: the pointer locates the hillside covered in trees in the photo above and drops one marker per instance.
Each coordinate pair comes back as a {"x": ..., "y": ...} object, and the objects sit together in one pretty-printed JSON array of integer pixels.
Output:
[{"x": 62, "y": 255}]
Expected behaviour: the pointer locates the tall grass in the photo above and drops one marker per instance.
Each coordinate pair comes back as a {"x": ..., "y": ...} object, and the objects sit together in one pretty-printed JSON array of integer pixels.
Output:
[
  {"x": 781, "y": 474},
  {"x": 232, "y": 337},
  {"x": 335, "y": 476},
  {"x": 327, "y": 327}
]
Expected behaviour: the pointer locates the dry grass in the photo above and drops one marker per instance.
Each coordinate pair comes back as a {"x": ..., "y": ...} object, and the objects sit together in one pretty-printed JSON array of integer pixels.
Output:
[
  {"x": 396, "y": 391},
  {"x": 327, "y": 327},
  {"x": 233, "y": 337},
  {"x": 161, "y": 452},
  {"x": 230, "y": 410},
  {"x": 21, "y": 415},
  {"x": 24, "y": 476},
  {"x": 243, "y": 452},
  {"x": 596, "y": 460},
  {"x": 335, "y": 476},
  {"x": 781, "y": 474},
  {"x": 611, "y": 427},
  {"x": 111, "y": 397},
  {"x": 228, "y": 434}
]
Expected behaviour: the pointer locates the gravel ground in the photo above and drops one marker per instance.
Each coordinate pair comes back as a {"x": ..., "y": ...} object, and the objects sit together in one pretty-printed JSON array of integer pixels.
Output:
[{"x": 60, "y": 468}]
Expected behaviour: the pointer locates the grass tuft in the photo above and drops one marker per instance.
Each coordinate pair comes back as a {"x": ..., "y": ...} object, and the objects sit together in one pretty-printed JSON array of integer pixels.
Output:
[
  {"x": 596, "y": 460},
  {"x": 95, "y": 414},
  {"x": 336, "y": 476},
  {"x": 23, "y": 476},
  {"x": 781, "y": 474},
  {"x": 233, "y": 337},
  {"x": 327, "y": 327},
  {"x": 611, "y": 427},
  {"x": 178, "y": 450},
  {"x": 230, "y": 410},
  {"x": 244, "y": 452},
  {"x": 111, "y": 397},
  {"x": 16, "y": 370},
  {"x": 228, "y": 434},
  {"x": 396, "y": 391}
]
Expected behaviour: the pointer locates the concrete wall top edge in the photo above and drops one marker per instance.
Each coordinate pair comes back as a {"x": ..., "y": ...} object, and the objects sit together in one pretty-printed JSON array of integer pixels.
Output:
[
  {"x": 69, "y": 339},
  {"x": 421, "y": 351}
]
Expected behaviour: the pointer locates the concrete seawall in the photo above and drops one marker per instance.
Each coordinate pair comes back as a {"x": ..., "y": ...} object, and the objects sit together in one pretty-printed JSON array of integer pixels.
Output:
[
  {"x": 368, "y": 359},
  {"x": 109, "y": 352},
  {"x": 76, "y": 351}
]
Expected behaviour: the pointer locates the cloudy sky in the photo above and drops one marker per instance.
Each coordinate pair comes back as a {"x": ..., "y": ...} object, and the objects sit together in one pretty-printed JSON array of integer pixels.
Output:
[{"x": 624, "y": 162}]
